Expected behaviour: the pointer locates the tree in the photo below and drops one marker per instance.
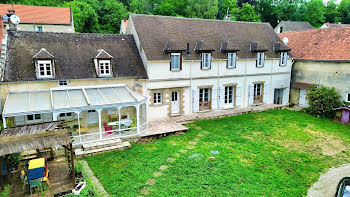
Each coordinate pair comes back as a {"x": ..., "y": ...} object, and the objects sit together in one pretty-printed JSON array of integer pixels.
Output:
[
  {"x": 112, "y": 13},
  {"x": 247, "y": 13},
  {"x": 85, "y": 18},
  {"x": 202, "y": 9},
  {"x": 266, "y": 9},
  {"x": 331, "y": 11},
  {"x": 322, "y": 100},
  {"x": 286, "y": 10},
  {"x": 166, "y": 8},
  {"x": 344, "y": 12},
  {"x": 231, "y": 6},
  {"x": 300, "y": 14},
  {"x": 315, "y": 12}
]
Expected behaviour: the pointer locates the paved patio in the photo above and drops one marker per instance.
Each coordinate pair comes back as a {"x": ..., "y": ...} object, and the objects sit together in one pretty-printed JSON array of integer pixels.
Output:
[{"x": 163, "y": 127}]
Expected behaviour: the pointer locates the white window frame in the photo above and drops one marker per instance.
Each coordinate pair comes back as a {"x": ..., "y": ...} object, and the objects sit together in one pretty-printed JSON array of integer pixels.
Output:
[
  {"x": 102, "y": 68},
  {"x": 260, "y": 56},
  {"x": 40, "y": 27},
  {"x": 34, "y": 118},
  {"x": 45, "y": 63},
  {"x": 178, "y": 57},
  {"x": 347, "y": 97},
  {"x": 284, "y": 58},
  {"x": 157, "y": 98},
  {"x": 231, "y": 60},
  {"x": 206, "y": 61},
  {"x": 62, "y": 83},
  {"x": 229, "y": 94}
]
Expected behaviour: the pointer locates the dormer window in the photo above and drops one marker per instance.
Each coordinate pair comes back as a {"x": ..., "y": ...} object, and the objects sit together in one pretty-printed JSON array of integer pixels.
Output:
[
  {"x": 105, "y": 67},
  {"x": 44, "y": 64},
  {"x": 45, "y": 68},
  {"x": 260, "y": 59},
  {"x": 283, "y": 60},
  {"x": 231, "y": 60},
  {"x": 103, "y": 63},
  {"x": 206, "y": 61},
  {"x": 175, "y": 62}
]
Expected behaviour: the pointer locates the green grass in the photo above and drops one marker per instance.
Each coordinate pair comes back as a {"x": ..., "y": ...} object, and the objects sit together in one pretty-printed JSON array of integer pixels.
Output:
[{"x": 273, "y": 153}]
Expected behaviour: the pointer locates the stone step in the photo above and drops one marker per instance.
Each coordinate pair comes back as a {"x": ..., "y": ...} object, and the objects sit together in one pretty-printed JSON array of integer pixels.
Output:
[
  {"x": 122, "y": 145},
  {"x": 101, "y": 144}
]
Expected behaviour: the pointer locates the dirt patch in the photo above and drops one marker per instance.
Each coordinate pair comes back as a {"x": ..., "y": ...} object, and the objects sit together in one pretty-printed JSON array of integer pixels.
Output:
[
  {"x": 192, "y": 142},
  {"x": 327, "y": 184},
  {"x": 151, "y": 182},
  {"x": 245, "y": 160},
  {"x": 183, "y": 150},
  {"x": 253, "y": 136},
  {"x": 320, "y": 143},
  {"x": 145, "y": 190},
  {"x": 163, "y": 167},
  {"x": 198, "y": 128},
  {"x": 157, "y": 174},
  {"x": 261, "y": 119},
  {"x": 170, "y": 159}
]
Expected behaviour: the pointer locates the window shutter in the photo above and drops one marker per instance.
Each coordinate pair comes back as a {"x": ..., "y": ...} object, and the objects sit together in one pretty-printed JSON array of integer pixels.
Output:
[
  {"x": 210, "y": 60},
  {"x": 263, "y": 59},
  {"x": 214, "y": 99},
  {"x": 181, "y": 62},
  {"x": 195, "y": 100},
  {"x": 266, "y": 94},
  {"x": 228, "y": 59},
  {"x": 256, "y": 63},
  {"x": 170, "y": 63},
  {"x": 221, "y": 97},
  {"x": 238, "y": 96},
  {"x": 201, "y": 61},
  {"x": 251, "y": 95}
]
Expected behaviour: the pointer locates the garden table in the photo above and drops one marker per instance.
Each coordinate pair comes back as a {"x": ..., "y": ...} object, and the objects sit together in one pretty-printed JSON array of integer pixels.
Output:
[
  {"x": 36, "y": 173},
  {"x": 36, "y": 163}
]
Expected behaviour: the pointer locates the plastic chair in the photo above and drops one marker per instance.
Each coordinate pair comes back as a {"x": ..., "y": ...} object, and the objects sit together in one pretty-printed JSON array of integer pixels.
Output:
[
  {"x": 35, "y": 183},
  {"x": 46, "y": 176},
  {"x": 108, "y": 128},
  {"x": 24, "y": 179}
]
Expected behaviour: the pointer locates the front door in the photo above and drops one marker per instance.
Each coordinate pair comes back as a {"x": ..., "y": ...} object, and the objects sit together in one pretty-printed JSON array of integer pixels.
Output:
[
  {"x": 92, "y": 117},
  {"x": 345, "y": 116},
  {"x": 204, "y": 99},
  {"x": 278, "y": 96},
  {"x": 258, "y": 93},
  {"x": 175, "y": 103},
  {"x": 302, "y": 98}
]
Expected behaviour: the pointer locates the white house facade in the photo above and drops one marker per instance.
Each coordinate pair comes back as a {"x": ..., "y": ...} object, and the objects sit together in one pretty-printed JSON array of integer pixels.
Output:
[{"x": 196, "y": 65}]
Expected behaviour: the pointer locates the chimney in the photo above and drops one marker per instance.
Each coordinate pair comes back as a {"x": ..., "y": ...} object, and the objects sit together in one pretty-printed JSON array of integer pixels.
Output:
[
  {"x": 124, "y": 19},
  {"x": 228, "y": 17},
  {"x": 188, "y": 52},
  {"x": 285, "y": 41}
]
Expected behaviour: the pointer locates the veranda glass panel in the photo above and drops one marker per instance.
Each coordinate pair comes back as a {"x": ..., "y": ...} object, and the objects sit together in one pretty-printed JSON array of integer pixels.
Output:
[
  {"x": 109, "y": 94},
  {"x": 60, "y": 99},
  {"x": 77, "y": 98},
  {"x": 94, "y": 96},
  {"x": 17, "y": 103},
  {"x": 124, "y": 95},
  {"x": 40, "y": 101}
]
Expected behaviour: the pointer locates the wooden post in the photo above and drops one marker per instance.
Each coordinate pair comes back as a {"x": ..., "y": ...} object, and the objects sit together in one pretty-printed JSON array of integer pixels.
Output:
[{"x": 72, "y": 160}]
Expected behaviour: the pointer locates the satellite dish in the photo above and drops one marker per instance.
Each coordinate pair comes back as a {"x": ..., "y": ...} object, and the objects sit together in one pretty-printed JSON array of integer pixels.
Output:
[
  {"x": 285, "y": 40},
  {"x": 15, "y": 19}
]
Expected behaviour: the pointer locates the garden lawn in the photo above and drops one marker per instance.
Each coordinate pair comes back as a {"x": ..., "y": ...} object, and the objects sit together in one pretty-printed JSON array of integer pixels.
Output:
[{"x": 273, "y": 153}]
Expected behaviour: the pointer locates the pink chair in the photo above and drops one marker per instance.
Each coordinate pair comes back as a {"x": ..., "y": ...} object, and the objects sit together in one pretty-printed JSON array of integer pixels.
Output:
[{"x": 108, "y": 128}]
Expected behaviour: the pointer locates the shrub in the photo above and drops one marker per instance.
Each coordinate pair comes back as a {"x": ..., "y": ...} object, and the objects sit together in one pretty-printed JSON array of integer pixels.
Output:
[
  {"x": 322, "y": 100},
  {"x": 6, "y": 191}
]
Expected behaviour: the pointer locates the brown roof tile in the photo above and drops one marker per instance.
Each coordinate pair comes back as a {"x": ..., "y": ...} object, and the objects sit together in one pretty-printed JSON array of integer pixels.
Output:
[
  {"x": 320, "y": 44},
  {"x": 155, "y": 31},
  {"x": 39, "y": 14}
]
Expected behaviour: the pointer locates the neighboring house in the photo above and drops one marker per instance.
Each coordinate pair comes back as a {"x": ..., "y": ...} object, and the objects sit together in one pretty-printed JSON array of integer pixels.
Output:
[
  {"x": 85, "y": 80},
  {"x": 40, "y": 18},
  {"x": 288, "y": 26},
  {"x": 321, "y": 57},
  {"x": 198, "y": 65},
  {"x": 332, "y": 25}
]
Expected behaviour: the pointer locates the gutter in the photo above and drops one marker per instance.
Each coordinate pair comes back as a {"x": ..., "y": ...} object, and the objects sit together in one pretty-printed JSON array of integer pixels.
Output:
[{"x": 309, "y": 60}]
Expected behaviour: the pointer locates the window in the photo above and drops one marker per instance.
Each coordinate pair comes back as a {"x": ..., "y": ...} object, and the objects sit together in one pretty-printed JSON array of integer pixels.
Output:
[
  {"x": 281, "y": 29},
  {"x": 284, "y": 57},
  {"x": 157, "y": 98},
  {"x": 63, "y": 83},
  {"x": 260, "y": 59},
  {"x": 206, "y": 60},
  {"x": 105, "y": 67},
  {"x": 348, "y": 97},
  {"x": 66, "y": 115},
  {"x": 258, "y": 93},
  {"x": 45, "y": 68},
  {"x": 34, "y": 117},
  {"x": 231, "y": 60},
  {"x": 40, "y": 28},
  {"x": 204, "y": 95},
  {"x": 229, "y": 94},
  {"x": 175, "y": 61}
]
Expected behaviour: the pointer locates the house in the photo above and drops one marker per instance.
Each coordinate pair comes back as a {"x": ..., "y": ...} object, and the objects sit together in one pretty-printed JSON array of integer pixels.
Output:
[
  {"x": 93, "y": 83},
  {"x": 40, "y": 18},
  {"x": 332, "y": 25},
  {"x": 200, "y": 65},
  {"x": 288, "y": 26},
  {"x": 321, "y": 57},
  {"x": 342, "y": 114}
]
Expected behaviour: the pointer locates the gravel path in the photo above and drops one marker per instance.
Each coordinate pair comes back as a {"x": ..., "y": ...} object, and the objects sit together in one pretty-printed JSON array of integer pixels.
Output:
[{"x": 326, "y": 185}]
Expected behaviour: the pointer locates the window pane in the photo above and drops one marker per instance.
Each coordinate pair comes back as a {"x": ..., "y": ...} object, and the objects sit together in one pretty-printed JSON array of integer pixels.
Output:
[
  {"x": 48, "y": 72},
  {"x": 30, "y": 117},
  {"x": 37, "y": 116}
]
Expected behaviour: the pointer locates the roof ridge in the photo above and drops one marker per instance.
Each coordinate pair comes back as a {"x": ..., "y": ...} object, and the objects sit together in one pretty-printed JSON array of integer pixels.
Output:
[
  {"x": 76, "y": 33},
  {"x": 323, "y": 29},
  {"x": 34, "y": 5},
  {"x": 201, "y": 19}
]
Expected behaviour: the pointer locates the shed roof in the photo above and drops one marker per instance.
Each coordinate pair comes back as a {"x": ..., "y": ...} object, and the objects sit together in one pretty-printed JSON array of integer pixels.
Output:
[
  {"x": 68, "y": 99},
  {"x": 39, "y": 14},
  {"x": 73, "y": 52},
  {"x": 154, "y": 31},
  {"x": 30, "y": 137}
]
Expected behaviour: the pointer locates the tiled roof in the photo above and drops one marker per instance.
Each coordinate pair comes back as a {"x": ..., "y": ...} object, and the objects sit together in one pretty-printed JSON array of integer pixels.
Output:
[
  {"x": 320, "y": 44},
  {"x": 298, "y": 25},
  {"x": 333, "y": 25},
  {"x": 155, "y": 31},
  {"x": 39, "y": 14},
  {"x": 73, "y": 53}
]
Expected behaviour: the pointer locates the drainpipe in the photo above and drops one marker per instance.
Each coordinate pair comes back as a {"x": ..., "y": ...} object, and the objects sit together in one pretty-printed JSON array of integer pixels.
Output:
[{"x": 218, "y": 85}]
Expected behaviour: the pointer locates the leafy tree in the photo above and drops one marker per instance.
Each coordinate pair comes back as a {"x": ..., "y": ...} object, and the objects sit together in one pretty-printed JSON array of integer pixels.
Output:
[
  {"x": 137, "y": 7},
  {"x": 300, "y": 14},
  {"x": 112, "y": 13},
  {"x": 202, "y": 9},
  {"x": 331, "y": 11},
  {"x": 247, "y": 13},
  {"x": 266, "y": 9},
  {"x": 344, "y": 12},
  {"x": 231, "y": 6},
  {"x": 286, "y": 10},
  {"x": 166, "y": 8},
  {"x": 322, "y": 100},
  {"x": 315, "y": 12},
  {"x": 85, "y": 18}
]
